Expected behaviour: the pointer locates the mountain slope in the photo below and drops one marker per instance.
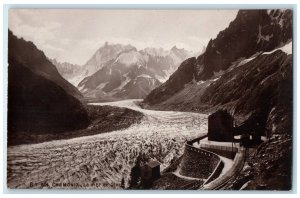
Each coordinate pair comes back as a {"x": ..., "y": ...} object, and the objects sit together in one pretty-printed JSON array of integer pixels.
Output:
[
  {"x": 132, "y": 73},
  {"x": 70, "y": 72},
  {"x": 39, "y": 100},
  {"x": 104, "y": 54},
  {"x": 252, "y": 31},
  {"x": 118, "y": 81},
  {"x": 26, "y": 52}
]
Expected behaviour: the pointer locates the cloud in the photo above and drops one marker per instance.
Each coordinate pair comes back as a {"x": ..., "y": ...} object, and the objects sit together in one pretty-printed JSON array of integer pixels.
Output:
[
  {"x": 74, "y": 35},
  {"x": 45, "y": 36}
]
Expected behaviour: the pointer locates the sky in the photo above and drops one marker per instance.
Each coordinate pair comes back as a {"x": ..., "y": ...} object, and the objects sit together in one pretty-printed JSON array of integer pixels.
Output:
[{"x": 74, "y": 35}]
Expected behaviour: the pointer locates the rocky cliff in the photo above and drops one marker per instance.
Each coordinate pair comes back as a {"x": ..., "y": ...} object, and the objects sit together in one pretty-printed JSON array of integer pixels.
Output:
[{"x": 253, "y": 31}]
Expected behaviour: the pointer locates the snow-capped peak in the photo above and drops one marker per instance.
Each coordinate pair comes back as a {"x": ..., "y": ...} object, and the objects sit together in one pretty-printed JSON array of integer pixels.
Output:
[
  {"x": 156, "y": 51},
  {"x": 131, "y": 58}
]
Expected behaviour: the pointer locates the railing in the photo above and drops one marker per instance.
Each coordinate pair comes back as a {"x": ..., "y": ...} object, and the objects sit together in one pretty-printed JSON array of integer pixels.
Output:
[
  {"x": 225, "y": 151},
  {"x": 196, "y": 139}
]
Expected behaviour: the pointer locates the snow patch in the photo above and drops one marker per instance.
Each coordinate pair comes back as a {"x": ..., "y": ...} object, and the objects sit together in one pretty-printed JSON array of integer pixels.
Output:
[
  {"x": 243, "y": 62},
  {"x": 84, "y": 90},
  {"x": 76, "y": 79},
  {"x": 160, "y": 78},
  {"x": 160, "y": 52},
  {"x": 200, "y": 82},
  {"x": 166, "y": 74},
  {"x": 287, "y": 48},
  {"x": 144, "y": 76},
  {"x": 123, "y": 84},
  {"x": 102, "y": 85},
  {"x": 80, "y": 88},
  {"x": 219, "y": 73},
  {"x": 131, "y": 58},
  {"x": 215, "y": 79}
]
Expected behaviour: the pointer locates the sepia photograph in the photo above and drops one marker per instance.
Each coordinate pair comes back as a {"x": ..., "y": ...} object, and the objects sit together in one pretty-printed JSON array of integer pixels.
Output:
[{"x": 150, "y": 99}]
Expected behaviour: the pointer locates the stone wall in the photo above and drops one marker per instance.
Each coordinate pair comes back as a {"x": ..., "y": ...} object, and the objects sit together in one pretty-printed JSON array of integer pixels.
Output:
[{"x": 198, "y": 163}]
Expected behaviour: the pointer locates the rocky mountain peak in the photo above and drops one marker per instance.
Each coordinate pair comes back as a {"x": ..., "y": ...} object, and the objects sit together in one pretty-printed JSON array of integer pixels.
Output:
[
  {"x": 251, "y": 32},
  {"x": 130, "y": 73},
  {"x": 104, "y": 54},
  {"x": 130, "y": 58},
  {"x": 174, "y": 48}
]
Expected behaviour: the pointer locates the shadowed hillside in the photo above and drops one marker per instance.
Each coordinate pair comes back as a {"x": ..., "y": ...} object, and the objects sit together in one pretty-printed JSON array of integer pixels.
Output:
[{"x": 39, "y": 99}]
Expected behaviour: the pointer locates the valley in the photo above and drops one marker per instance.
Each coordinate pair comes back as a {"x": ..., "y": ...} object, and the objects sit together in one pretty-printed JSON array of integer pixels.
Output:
[
  {"x": 101, "y": 161},
  {"x": 85, "y": 126},
  {"x": 102, "y": 119}
]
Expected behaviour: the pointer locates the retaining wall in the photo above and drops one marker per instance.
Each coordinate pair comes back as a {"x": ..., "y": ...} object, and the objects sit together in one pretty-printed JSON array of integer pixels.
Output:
[{"x": 198, "y": 163}]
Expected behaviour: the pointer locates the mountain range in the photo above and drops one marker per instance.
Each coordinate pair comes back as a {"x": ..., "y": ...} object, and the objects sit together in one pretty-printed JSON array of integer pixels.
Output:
[
  {"x": 68, "y": 71},
  {"x": 118, "y": 71}
]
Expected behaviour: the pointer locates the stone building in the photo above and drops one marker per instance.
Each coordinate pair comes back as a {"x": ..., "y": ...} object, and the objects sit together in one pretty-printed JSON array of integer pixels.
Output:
[
  {"x": 150, "y": 171},
  {"x": 220, "y": 126}
]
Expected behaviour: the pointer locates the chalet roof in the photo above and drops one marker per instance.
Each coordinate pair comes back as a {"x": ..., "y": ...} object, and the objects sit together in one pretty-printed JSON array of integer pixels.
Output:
[{"x": 153, "y": 163}]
